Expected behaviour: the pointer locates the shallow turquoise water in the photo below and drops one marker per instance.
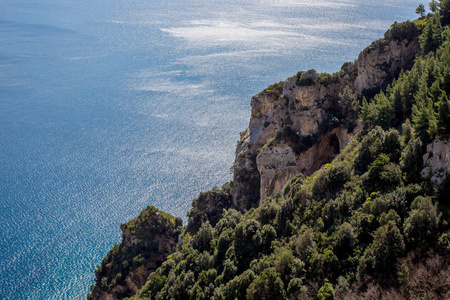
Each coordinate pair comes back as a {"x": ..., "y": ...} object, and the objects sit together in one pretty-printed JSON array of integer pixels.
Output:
[{"x": 109, "y": 106}]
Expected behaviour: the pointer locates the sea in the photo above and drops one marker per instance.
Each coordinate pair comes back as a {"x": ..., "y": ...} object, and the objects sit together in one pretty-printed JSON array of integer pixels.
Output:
[{"x": 107, "y": 106}]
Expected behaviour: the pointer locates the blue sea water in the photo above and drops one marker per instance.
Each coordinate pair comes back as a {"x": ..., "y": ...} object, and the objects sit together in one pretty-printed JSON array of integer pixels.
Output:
[{"x": 107, "y": 106}]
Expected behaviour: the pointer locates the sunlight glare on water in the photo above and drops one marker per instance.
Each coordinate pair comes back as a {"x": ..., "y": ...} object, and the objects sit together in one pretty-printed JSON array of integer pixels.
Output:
[{"x": 109, "y": 106}]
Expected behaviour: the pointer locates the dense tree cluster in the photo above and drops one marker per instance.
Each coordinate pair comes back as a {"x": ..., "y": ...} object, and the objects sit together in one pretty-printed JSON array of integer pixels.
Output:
[
  {"x": 143, "y": 239},
  {"x": 322, "y": 236},
  {"x": 362, "y": 226},
  {"x": 421, "y": 93}
]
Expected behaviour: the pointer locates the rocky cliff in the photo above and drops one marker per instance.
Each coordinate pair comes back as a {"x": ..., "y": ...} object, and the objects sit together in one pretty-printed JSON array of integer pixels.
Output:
[
  {"x": 299, "y": 124},
  {"x": 146, "y": 242},
  {"x": 437, "y": 162},
  {"x": 368, "y": 224}
]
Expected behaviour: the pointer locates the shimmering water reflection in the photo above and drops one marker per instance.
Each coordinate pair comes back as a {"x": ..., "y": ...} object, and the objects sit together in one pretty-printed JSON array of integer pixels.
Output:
[{"x": 108, "y": 106}]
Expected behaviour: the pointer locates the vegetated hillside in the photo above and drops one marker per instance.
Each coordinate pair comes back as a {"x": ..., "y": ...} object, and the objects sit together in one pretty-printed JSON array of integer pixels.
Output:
[
  {"x": 146, "y": 242},
  {"x": 299, "y": 124},
  {"x": 371, "y": 223}
]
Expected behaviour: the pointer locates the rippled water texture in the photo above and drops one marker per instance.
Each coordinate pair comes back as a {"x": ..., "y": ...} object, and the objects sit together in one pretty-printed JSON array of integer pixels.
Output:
[{"x": 108, "y": 106}]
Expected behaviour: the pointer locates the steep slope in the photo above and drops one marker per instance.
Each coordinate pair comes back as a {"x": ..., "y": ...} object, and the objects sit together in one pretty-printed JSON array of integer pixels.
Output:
[
  {"x": 147, "y": 240},
  {"x": 373, "y": 223},
  {"x": 298, "y": 125}
]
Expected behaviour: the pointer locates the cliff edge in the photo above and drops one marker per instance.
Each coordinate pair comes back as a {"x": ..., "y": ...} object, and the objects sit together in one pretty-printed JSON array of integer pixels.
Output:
[
  {"x": 340, "y": 190},
  {"x": 147, "y": 240},
  {"x": 300, "y": 124}
]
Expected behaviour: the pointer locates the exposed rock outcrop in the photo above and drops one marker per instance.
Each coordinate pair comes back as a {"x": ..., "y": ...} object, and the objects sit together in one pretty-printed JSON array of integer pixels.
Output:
[
  {"x": 277, "y": 165},
  {"x": 146, "y": 242},
  {"x": 298, "y": 125},
  {"x": 436, "y": 162},
  {"x": 383, "y": 59}
]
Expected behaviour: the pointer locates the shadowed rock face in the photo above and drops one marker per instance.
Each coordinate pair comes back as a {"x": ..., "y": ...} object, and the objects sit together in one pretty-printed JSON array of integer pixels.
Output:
[
  {"x": 296, "y": 125},
  {"x": 279, "y": 164}
]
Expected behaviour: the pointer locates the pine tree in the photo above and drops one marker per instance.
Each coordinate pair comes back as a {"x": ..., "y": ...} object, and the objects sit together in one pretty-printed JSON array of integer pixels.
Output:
[
  {"x": 420, "y": 10},
  {"x": 398, "y": 100},
  {"x": 444, "y": 10},
  {"x": 431, "y": 37},
  {"x": 385, "y": 110},
  {"x": 443, "y": 121},
  {"x": 424, "y": 120},
  {"x": 433, "y": 6}
]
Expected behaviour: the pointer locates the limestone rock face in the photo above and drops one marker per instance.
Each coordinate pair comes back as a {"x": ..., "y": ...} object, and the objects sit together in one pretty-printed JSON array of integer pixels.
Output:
[
  {"x": 277, "y": 164},
  {"x": 384, "y": 58},
  {"x": 437, "y": 161},
  {"x": 297, "y": 125}
]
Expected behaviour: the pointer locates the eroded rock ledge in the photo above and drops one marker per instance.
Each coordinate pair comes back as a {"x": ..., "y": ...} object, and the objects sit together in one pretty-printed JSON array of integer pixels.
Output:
[{"x": 298, "y": 125}]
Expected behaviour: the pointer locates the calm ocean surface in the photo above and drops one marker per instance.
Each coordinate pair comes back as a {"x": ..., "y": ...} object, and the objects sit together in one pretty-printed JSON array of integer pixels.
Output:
[{"x": 107, "y": 106}]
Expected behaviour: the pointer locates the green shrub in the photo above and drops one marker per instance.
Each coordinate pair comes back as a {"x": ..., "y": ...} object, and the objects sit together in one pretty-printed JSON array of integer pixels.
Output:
[
  {"x": 422, "y": 224},
  {"x": 209, "y": 206},
  {"x": 275, "y": 89},
  {"x": 267, "y": 286},
  {"x": 388, "y": 245},
  {"x": 247, "y": 241},
  {"x": 326, "y": 292},
  {"x": 344, "y": 240},
  {"x": 202, "y": 242},
  {"x": 370, "y": 147},
  {"x": 284, "y": 215},
  {"x": 296, "y": 288},
  {"x": 330, "y": 181},
  {"x": 404, "y": 31},
  {"x": 268, "y": 234},
  {"x": 412, "y": 160},
  {"x": 306, "y": 81},
  {"x": 327, "y": 79},
  {"x": 349, "y": 106}
]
